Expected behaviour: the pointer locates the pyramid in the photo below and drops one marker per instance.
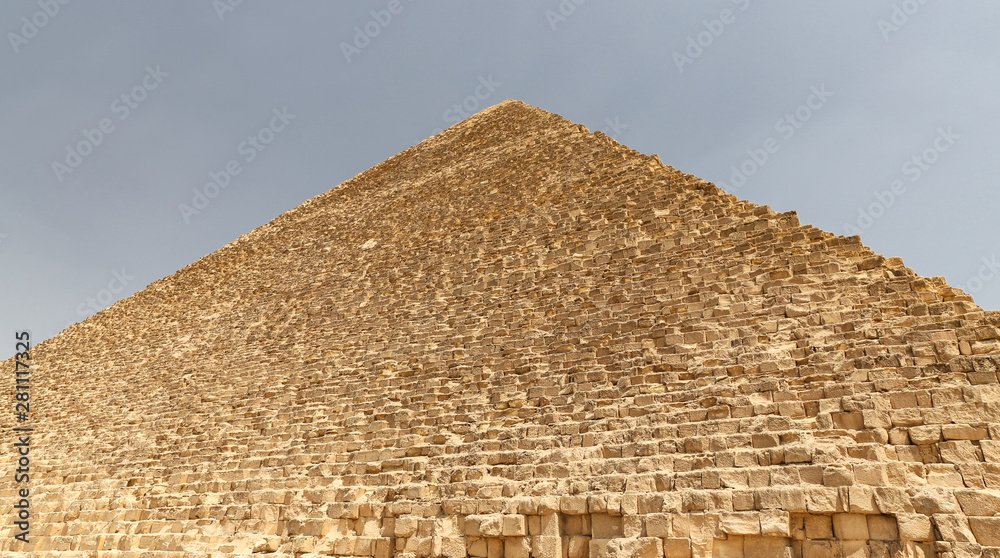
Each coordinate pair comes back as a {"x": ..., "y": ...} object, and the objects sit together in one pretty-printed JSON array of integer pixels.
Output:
[{"x": 516, "y": 339}]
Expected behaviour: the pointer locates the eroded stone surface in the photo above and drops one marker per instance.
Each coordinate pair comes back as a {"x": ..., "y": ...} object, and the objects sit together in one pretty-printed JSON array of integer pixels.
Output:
[{"x": 523, "y": 339}]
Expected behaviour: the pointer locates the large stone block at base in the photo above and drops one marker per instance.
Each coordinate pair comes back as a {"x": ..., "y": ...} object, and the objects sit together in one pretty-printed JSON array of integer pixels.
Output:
[
  {"x": 646, "y": 547},
  {"x": 767, "y": 547},
  {"x": 544, "y": 546}
]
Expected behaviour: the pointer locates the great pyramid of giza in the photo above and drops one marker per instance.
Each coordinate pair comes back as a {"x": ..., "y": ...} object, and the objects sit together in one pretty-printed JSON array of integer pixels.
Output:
[{"x": 519, "y": 338}]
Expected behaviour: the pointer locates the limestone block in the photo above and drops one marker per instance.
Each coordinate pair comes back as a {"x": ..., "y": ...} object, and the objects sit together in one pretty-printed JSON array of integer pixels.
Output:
[
  {"x": 767, "y": 440},
  {"x": 516, "y": 547},
  {"x": 767, "y": 547},
  {"x": 646, "y": 547},
  {"x": 743, "y": 500},
  {"x": 862, "y": 499},
  {"x": 838, "y": 476},
  {"x": 728, "y": 548},
  {"x": 818, "y": 527},
  {"x": 931, "y": 500},
  {"x": 775, "y": 522},
  {"x": 899, "y": 436},
  {"x": 923, "y": 435},
  {"x": 599, "y": 548},
  {"x": 817, "y": 549},
  {"x": 614, "y": 504},
  {"x": 477, "y": 547},
  {"x": 629, "y": 504},
  {"x": 823, "y": 500},
  {"x": 544, "y": 546},
  {"x": 944, "y": 474},
  {"x": 514, "y": 526},
  {"x": 548, "y": 504},
  {"x": 973, "y": 475},
  {"x": 534, "y": 525},
  {"x": 422, "y": 546},
  {"x": 873, "y": 474},
  {"x": 883, "y": 528},
  {"x": 489, "y": 525},
  {"x": 494, "y": 548},
  {"x": 384, "y": 549},
  {"x": 604, "y": 526},
  {"x": 991, "y": 450},
  {"x": 793, "y": 499},
  {"x": 876, "y": 419},
  {"x": 978, "y": 502},
  {"x": 767, "y": 498},
  {"x": 914, "y": 527},
  {"x": 451, "y": 547},
  {"x": 578, "y": 546},
  {"x": 850, "y": 526},
  {"x": 703, "y": 528},
  {"x": 737, "y": 523},
  {"x": 651, "y": 503},
  {"x": 575, "y": 525},
  {"x": 657, "y": 525},
  {"x": 406, "y": 526},
  {"x": 958, "y": 451},
  {"x": 991, "y": 476},
  {"x": 598, "y": 503},
  {"x": 920, "y": 550},
  {"x": 633, "y": 526},
  {"x": 963, "y": 432},
  {"x": 986, "y": 530},
  {"x": 953, "y": 528},
  {"x": 852, "y": 549},
  {"x": 549, "y": 525},
  {"x": 848, "y": 421},
  {"x": 573, "y": 505},
  {"x": 677, "y": 548}
]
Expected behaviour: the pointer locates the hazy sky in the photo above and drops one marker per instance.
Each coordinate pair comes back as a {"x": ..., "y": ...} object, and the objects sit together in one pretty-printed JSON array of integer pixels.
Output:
[{"x": 140, "y": 136}]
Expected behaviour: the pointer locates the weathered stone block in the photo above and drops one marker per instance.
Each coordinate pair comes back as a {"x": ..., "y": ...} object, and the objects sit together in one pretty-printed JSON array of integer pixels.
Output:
[
  {"x": 543, "y": 546},
  {"x": 817, "y": 549},
  {"x": 819, "y": 527},
  {"x": 913, "y": 527},
  {"x": 658, "y": 525},
  {"x": 514, "y": 526},
  {"x": 516, "y": 547},
  {"x": 578, "y": 546},
  {"x": 923, "y": 435},
  {"x": 850, "y": 526},
  {"x": 883, "y": 528},
  {"x": 573, "y": 505},
  {"x": 451, "y": 547},
  {"x": 549, "y": 524},
  {"x": 740, "y": 523},
  {"x": 646, "y": 547},
  {"x": 953, "y": 528},
  {"x": 979, "y": 502},
  {"x": 604, "y": 526},
  {"x": 862, "y": 499},
  {"x": 767, "y": 547},
  {"x": 677, "y": 548},
  {"x": 774, "y": 522},
  {"x": 406, "y": 526},
  {"x": 728, "y": 548},
  {"x": 986, "y": 530}
]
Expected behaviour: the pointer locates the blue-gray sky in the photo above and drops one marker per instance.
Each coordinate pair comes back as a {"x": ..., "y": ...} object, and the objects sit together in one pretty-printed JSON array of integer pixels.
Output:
[{"x": 871, "y": 117}]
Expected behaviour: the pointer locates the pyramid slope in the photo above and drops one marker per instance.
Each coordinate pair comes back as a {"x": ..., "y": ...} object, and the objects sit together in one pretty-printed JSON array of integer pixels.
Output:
[{"x": 520, "y": 338}]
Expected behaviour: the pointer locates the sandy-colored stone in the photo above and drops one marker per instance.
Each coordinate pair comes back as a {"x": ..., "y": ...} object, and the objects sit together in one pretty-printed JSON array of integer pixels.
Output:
[{"x": 521, "y": 339}]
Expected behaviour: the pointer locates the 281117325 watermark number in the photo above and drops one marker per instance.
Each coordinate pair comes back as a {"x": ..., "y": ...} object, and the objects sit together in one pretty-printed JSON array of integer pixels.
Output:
[{"x": 22, "y": 433}]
